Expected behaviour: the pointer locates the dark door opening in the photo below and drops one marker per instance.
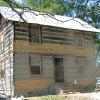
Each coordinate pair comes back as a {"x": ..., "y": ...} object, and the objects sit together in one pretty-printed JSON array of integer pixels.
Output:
[{"x": 59, "y": 70}]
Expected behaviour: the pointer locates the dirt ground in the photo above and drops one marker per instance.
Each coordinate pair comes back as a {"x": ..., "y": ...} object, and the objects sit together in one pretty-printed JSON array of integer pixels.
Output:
[
  {"x": 78, "y": 96},
  {"x": 84, "y": 96}
]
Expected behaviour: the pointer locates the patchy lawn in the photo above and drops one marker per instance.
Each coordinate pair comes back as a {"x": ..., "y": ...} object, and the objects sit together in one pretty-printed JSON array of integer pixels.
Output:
[
  {"x": 54, "y": 98},
  {"x": 49, "y": 97},
  {"x": 78, "y": 96}
]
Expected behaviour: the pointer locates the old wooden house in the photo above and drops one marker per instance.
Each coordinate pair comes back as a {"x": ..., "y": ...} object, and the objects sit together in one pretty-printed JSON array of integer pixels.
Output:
[{"x": 44, "y": 51}]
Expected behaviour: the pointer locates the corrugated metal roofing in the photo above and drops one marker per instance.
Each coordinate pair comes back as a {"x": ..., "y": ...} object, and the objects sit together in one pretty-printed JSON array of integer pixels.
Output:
[{"x": 56, "y": 20}]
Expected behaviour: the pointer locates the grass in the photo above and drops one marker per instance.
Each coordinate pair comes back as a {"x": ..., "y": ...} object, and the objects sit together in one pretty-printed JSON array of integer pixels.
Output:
[
  {"x": 48, "y": 97},
  {"x": 54, "y": 97}
]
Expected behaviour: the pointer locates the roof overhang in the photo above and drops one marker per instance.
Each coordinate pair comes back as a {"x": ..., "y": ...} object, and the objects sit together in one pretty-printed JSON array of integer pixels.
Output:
[{"x": 49, "y": 20}]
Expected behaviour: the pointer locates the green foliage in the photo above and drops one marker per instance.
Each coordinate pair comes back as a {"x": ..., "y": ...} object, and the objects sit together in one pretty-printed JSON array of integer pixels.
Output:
[
  {"x": 87, "y": 10},
  {"x": 54, "y": 97},
  {"x": 47, "y": 6},
  {"x": 2, "y": 3}
]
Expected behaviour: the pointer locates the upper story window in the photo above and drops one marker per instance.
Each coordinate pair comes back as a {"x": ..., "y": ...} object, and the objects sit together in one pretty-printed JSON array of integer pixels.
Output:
[
  {"x": 27, "y": 32},
  {"x": 79, "y": 39},
  {"x": 89, "y": 39},
  {"x": 34, "y": 35}
]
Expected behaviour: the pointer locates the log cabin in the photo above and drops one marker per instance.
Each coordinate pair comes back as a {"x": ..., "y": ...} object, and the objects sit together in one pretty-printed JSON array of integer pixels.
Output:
[{"x": 44, "y": 52}]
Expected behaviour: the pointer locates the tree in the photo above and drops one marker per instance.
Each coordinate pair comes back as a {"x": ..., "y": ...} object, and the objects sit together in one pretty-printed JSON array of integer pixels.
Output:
[
  {"x": 87, "y": 10},
  {"x": 2, "y": 3}
]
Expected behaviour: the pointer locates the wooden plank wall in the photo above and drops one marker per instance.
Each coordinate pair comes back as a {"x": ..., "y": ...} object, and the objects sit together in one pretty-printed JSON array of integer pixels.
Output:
[
  {"x": 58, "y": 36},
  {"x": 25, "y": 81},
  {"x": 61, "y": 43},
  {"x": 72, "y": 72},
  {"x": 22, "y": 67},
  {"x": 48, "y": 48},
  {"x": 6, "y": 56}
]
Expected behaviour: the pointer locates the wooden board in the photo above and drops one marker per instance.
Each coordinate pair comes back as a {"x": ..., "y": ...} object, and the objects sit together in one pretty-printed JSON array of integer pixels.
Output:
[
  {"x": 32, "y": 84},
  {"x": 47, "y": 48}
]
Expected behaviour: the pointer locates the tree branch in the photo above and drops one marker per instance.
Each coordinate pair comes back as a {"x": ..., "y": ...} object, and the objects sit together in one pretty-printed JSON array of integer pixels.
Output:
[{"x": 28, "y": 9}]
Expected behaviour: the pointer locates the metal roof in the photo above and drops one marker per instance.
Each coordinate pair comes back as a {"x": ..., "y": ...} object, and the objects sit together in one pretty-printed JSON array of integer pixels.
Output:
[{"x": 50, "y": 20}]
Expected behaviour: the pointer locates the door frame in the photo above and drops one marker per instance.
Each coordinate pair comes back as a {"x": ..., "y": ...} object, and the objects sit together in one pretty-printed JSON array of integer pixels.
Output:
[{"x": 55, "y": 68}]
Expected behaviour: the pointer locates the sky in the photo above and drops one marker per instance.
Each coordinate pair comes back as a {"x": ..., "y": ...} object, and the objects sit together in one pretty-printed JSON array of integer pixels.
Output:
[{"x": 18, "y": 1}]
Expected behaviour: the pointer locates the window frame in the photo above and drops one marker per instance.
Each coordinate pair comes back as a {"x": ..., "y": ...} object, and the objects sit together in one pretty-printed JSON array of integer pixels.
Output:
[
  {"x": 35, "y": 35},
  {"x": 80, "y": 65},
  {"x": 35, "y": 65},
  {"x": 80, "y": 37}
]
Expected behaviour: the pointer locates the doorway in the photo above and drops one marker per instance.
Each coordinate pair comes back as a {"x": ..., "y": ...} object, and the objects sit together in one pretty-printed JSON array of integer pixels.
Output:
[{"x": 59, "y": 70}]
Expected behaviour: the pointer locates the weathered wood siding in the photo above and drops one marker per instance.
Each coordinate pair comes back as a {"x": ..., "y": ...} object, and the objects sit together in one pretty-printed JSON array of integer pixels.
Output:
[
  {"x": 50, "y": 43},
  {"x": 25, "y": 82},
  {"x": 72, "y": 71},
  {"x": 48, "y": 48},
  {"x": 6, "y": 56}
]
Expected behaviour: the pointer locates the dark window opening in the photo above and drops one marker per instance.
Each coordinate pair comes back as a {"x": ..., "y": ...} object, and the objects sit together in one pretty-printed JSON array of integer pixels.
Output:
[
  {"x": 35, "y": 64},
  {"x": 35, "y": 70},
  {"x": 80, "y": 39},
  {"x": 34, "y": 35}
]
